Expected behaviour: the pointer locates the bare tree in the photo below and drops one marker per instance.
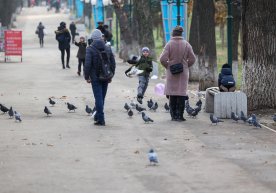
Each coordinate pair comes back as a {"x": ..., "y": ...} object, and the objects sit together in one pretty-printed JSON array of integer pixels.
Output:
[{"x": 259, "y": 53}]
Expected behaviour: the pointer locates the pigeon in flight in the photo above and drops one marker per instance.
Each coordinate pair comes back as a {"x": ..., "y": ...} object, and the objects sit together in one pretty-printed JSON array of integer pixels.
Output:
[
  {"x": 71, "y": 107},
  {"x": 255, "y": 121},
  {"x": 130, "y": 113},
  {"x": 234, "y": 116},
  {"x": 139, "y": 109},
  {"x": 47, "y": 111},
  {"x": 3, "y": 109},
  {"x": 214, "y": 119},
  {"x": 150, "y": 103},
  {"x": 152, "y": 157},
  {"x": 146, "y": 118},
  {"x": 243, "y": 118},
  {"x": 127, "y": 107},
  {"x": 17, "y": 116},
  {"x": 52, "y": 102},
  {"x": 166, "y": 107},
  {"x": 11, "y": 113},
  {"x": 88, "y": 110}
]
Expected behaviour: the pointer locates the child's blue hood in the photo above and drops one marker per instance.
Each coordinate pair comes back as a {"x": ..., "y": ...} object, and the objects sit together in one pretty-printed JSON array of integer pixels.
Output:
[{"x": 226, "y": 71}]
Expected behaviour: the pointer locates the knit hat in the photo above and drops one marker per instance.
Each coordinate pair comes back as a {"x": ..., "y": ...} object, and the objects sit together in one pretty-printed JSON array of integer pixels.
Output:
[
  {"x": 96, "y": 34},
  {"x": 145, "y": 49},
  {"x": 178, "y": 29},
  {"x": 62, "y": 24}
]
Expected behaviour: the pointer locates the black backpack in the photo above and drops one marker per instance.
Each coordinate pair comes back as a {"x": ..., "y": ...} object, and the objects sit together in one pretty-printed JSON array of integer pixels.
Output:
[{"x": 104, "y": 70}]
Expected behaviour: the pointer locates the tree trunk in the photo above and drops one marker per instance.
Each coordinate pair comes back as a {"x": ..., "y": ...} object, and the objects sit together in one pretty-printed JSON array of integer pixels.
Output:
[
  {"x": 259, "y": 48},
  {"x": 202, "y": 39},
  {"x": 127, "y": 44},
  {"x": 142, "y": 14}
]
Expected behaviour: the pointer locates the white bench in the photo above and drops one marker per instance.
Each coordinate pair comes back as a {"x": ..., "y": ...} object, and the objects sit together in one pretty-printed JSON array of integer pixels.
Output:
[{"x": 223, "y": 103}]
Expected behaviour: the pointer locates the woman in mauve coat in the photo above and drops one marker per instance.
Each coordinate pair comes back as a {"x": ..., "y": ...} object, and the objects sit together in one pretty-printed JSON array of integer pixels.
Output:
[{"x": 177, "y": 50}]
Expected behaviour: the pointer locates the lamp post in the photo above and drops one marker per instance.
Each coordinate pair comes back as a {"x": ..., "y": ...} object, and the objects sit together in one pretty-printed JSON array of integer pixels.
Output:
[
  {"x": 229, "y": 32},
  {"x": 178, "y": 4}
]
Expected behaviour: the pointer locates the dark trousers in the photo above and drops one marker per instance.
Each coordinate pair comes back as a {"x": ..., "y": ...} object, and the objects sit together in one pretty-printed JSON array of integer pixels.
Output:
[
  {"x": 177, "y": 106},
  {"x": 63, "y": 54},
  {"x": 81, "y": 62},
  {"x": 143, "y": 85},
  {"x": 99, "y": 91},
  {"x": 73, "y": 37},
  {"x": 41, "y": 41}
]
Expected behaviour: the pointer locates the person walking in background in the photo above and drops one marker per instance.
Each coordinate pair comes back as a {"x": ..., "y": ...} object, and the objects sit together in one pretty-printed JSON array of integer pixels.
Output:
[
  {"x": 40, "y": 32},
  {"x": 73, "y": 30},
  {"x": 108, "y": 35},
  {"x": 177, "y": 57},
  {"x": 81, "y": 53},
  {"x": 93, "y": 60},
  {"x": 64, "y": 38}
]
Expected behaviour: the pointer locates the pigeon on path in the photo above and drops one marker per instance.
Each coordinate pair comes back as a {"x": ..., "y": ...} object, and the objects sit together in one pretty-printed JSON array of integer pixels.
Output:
[
  {"x": 71, "y": 107},
  {"x": 234, "y": 117},
  {"x": 150, "y": 103},
  {"x": 255, "y": 122},
  {"x": 127, "y": 107},
  {"x": 3, "y": 109},
  {"x": 130, "y": 113},
  {"x": 214, "y": 119},
  {"x": 274, "y": 117},
  {"x": 199, "y": 103},
  {"x": 52, "y": 102},
  {"x": 17, "y": 116},
  {"x": 152, "y": 157},
  {"x": 146, "y": 118},
  {"x": 155, "y": 106},
  {"x": 139, "y": 109},
  {"x": 243, "y": 118},
  {"x": 11, "y": 113},
  {"x": 250, "y": 120},
  {"x": 88, "y": 110},
  {"x": 47, "y": 111},
  {"x": 167, "y": 108},
  {"x": 132, "y": 104}
]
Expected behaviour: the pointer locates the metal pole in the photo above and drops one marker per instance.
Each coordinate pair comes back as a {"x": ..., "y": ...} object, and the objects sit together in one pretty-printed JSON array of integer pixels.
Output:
[
  {"x": 178, "y": 12},
  {"x": 117, "y": 35},
  {"x": 229, "y": 32}
]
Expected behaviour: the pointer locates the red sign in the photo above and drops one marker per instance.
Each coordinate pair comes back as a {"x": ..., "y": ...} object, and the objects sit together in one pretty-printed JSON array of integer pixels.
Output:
[{"x": 13, "y": 43}]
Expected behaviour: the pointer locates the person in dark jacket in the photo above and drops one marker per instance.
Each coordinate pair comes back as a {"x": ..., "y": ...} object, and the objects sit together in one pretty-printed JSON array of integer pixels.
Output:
[
  {"x": 81, "y": 53},
  {"x": 226, "y": 82},
  {"x": 63, "y": 37},
  {"x": 40, "y": 32},
  {"x": 73, "y": 30},
  {"x": 108, "y": 35},
  {"x": 92, "y": 62},
  {"x": 105, "y": 32}
]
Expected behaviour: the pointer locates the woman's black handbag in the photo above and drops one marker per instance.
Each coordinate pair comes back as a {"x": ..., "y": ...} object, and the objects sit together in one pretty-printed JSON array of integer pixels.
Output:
[{"x": 176, "y": 68}]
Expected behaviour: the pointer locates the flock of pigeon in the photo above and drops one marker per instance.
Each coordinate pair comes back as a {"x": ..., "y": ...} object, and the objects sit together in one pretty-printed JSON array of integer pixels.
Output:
[
  {"x": 70, "y": 107},
  {"x": 251, "y": 120},
  {"x": 153, "y": 106}
]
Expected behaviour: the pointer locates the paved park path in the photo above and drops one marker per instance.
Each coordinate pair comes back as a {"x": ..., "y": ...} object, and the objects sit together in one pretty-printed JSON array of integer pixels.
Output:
[{"x": 66, "y": 153}]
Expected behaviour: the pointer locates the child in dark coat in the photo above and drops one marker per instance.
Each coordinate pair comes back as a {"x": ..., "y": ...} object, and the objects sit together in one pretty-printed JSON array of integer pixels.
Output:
[
  {"x": 144, "y": 64},
  {"x": 226, "y": 82},
  {"x": 81, "y": 53}
]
